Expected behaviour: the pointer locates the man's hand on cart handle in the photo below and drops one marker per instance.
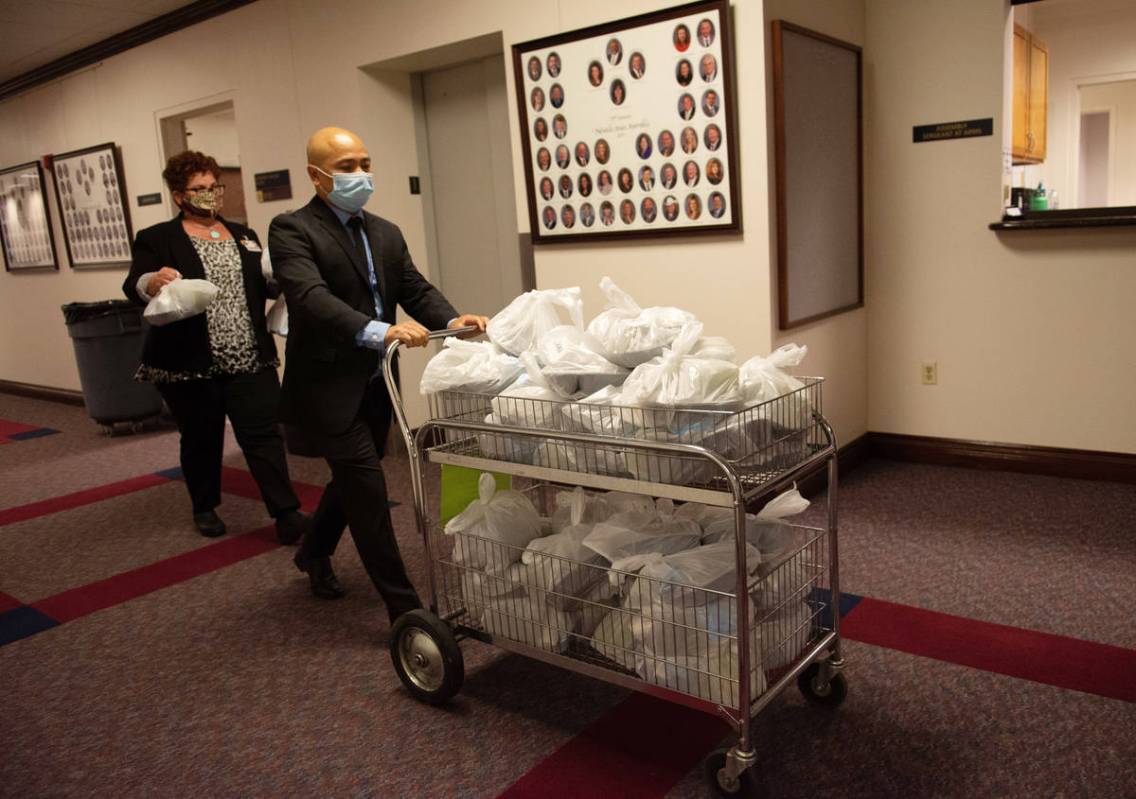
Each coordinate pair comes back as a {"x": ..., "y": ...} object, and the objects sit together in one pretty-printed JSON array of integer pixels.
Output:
[
  {"x": 408, "y": 334},
  {"x": 470, "y": 320}
]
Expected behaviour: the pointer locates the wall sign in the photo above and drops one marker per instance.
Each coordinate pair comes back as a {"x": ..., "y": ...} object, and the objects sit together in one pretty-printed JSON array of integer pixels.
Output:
[
  {"x": 953, "y": 130},
  {"x": 149, "y": 199},
  {"x": 628, "y": 127},
  {"x": 275, "y": 185}
]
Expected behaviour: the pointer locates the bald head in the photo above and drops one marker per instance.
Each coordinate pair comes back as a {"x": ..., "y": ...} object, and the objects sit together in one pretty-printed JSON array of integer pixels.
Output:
[{"x": 332, "y": 150}]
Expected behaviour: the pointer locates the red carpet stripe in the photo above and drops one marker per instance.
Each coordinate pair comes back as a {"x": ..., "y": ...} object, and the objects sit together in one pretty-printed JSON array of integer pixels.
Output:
[
  {"x": 241, "y": 483},
  {"x": 79, "y": 498},
  {"x": 8, "y": 427},
  {"x": 78, "y": 602},
  {"x": 9, "y": 602},
  {"x": 638, "y": 749},
  {"x": 1069, "y": 663}
]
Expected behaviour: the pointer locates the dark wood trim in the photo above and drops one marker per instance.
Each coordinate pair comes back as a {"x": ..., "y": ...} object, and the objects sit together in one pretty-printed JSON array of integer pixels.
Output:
[
  {"x": 119, "y": 43},
  {"x": 781, "y": 178},
  {"x": 1119, "y": 216},
  {"x": 1082, "y": 464},
  {"x": 33, "y": 391}
]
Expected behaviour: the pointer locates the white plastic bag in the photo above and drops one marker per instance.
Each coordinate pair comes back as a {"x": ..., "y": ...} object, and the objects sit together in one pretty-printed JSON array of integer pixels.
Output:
[
  {"x": 767, "y": 529},
  {"x": 519, "y": 326},
  {"x": 677, "y": 379},
  {"x": 479, "y": 367},
  {"x": 506, "y": 519},
  {"x": 590, "y": 508},
  {"x": 277, "y": 317},
  {"x": 560, "y": 564},
  {"x": 628, "y": 540},
  {"x": 571, "y": 361},
  {"x": 179, "y": 299},
  {"x": 629, "y": 334},
  {"x": 555, "y": 454},
  {"x": 504, "y": 446},
  {"x": 530, "y": 401},
  {"x": 765, "y": 380}
]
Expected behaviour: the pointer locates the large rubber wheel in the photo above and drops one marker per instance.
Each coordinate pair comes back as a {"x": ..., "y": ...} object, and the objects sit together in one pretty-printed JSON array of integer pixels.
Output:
[
  {"x": 427, "y": 657},
  {"x": 713, "y": 769},
  {"x": 830, "y": 695}
]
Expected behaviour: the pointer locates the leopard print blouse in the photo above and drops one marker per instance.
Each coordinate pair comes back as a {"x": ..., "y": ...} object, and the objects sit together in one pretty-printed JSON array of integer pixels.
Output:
[{"x": 231, "y": 337}]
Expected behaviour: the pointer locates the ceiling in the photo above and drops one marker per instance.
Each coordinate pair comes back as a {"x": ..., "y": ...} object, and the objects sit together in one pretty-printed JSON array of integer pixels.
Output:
[{"x": 36, "y": 32}]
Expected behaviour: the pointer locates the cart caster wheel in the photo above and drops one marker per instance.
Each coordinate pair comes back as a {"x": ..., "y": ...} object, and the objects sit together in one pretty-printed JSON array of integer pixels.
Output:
[
  {"x": 829, "y": 695},
  {"x": 107, "y": 430},
  {"x": 713, "y": 767},
  {"x": 427, "y": 657},
  {"x": 137, "y": 427}
]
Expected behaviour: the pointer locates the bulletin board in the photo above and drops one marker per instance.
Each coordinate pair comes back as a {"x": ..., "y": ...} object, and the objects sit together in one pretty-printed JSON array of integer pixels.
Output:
[
  {"x": 628, "y": 128},
  {"x": 818, "y": 146}
]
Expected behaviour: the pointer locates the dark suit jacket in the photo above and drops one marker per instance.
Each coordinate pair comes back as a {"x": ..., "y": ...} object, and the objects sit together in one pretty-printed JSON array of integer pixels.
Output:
[
  {"x": 329, "y": 301},
  {"x": 184, "y": 346}
]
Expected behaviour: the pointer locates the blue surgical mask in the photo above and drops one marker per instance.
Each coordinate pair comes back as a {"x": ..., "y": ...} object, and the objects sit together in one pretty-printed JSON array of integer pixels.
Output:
[{"x": 350, "y": 190}]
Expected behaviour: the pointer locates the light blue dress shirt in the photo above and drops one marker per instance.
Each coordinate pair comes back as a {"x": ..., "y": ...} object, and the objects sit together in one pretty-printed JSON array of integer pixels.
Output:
[{"x": 373, "y": 335}]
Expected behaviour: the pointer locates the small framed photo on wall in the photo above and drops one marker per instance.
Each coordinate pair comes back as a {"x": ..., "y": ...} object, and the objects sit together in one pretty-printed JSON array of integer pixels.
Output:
[
  {"x": 25, "y": 222},
  {"x": 91, "y": 196},
  {"x": 628, "y": 128}
]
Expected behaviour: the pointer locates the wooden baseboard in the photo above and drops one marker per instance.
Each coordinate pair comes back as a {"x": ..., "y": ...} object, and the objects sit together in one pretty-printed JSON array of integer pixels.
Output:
[
  {"x": 64, "y": 395},
  {"x": 1083, "y": 464}
]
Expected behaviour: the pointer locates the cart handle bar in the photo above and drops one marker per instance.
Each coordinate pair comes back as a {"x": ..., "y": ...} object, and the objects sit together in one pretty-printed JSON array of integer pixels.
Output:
[{"x": 392, "y": 389}]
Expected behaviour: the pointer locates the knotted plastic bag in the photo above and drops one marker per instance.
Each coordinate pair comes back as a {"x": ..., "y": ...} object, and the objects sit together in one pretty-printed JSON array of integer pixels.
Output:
[
  {"x": 520, "y": 326},
  {"x": 506, "y": 520},
  {"x": 765, "y": 380},
  {"x": 678, "y": 379},
  {"x": 479, "y": 367},
  {"x": 630, "y": 334},
  {"x": 180, "y": 299}
]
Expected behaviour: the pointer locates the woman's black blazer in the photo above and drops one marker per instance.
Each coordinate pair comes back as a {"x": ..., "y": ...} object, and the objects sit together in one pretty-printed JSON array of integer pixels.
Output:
[{"x": 184, "y": 346}]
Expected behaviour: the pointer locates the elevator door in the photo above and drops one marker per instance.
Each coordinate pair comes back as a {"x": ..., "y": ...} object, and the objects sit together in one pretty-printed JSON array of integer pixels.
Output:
[{"x": 470, "y": 185}]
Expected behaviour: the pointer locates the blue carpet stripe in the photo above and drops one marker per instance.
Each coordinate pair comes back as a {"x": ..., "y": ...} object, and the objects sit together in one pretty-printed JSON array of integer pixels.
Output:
[
  {"x": 39, "y": 432},
  {"x": 22, "y": 623}
]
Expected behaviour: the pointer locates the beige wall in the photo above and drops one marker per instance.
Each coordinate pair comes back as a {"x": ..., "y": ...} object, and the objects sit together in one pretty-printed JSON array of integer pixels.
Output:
[
  {"x": 1033, "y": 331},
  {"x": 838, "y": 347},
  {"x": 306, "y": 67}
]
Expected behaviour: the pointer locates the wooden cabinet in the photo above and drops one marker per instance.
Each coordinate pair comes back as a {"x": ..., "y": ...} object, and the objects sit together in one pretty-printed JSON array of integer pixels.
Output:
[{"x": 1031, "y": 97}]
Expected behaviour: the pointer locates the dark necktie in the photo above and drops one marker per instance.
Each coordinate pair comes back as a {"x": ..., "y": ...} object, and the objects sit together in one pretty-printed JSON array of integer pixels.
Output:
[{"x": 355, "y": 225}]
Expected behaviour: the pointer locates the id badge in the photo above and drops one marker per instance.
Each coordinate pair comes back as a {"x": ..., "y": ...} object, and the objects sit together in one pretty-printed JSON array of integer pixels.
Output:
[{"x": 250, "y": 245}]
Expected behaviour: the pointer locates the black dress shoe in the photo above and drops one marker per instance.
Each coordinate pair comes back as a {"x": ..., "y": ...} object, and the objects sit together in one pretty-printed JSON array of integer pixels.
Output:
[
  {"x": 321, "y": 577},
  {"x": 209, "y": 524},
  {"x": 290, "y": 527}
]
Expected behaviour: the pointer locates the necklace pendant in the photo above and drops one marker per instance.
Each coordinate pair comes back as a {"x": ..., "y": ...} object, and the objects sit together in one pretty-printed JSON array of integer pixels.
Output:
[{"x": 215, "y": 234}]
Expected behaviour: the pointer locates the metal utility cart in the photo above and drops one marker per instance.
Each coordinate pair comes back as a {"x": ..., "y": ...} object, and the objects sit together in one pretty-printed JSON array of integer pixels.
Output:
[{"x": 729, "y": 652}]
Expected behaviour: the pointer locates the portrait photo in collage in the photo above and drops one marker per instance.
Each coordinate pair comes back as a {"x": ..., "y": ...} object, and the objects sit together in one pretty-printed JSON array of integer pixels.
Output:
[
  {"x": 627, "y": 127},
  {"x": 91, "y": 198}
]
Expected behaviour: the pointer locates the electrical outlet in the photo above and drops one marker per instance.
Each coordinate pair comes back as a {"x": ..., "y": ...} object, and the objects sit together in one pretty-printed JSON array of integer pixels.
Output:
[{"x": 930, "y": 373}]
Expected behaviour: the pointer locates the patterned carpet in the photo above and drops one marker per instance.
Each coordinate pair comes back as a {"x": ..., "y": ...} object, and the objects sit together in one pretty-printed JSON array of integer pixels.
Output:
[{"x": 217, "y": 674}]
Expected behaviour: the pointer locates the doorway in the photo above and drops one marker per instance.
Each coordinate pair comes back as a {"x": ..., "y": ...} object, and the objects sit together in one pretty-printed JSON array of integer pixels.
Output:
[
  {"x": 469, "y": 184},
  {"x": 212, "y": 130},
  {"x": 1093, "y": 172}
]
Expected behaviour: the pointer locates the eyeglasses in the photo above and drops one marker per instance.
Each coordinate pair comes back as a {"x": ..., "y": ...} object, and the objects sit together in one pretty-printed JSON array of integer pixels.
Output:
[{"x": 216, "y": 188}]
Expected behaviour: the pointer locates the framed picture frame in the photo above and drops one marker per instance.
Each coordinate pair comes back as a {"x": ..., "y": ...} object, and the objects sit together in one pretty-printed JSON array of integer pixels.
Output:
[
  {"x": 91, "y": 196},
  {"x": 818, "y": 151},
  {"x": 25, "y": 221},
  {"x": 629, "y": 128}
]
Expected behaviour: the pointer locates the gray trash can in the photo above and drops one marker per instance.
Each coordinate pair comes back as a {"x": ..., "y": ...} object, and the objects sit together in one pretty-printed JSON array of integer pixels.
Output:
[{"x": 108, "y": 348}]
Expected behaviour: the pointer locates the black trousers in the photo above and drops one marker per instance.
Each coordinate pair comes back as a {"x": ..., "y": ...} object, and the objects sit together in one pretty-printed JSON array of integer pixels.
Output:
[
  {"x": 250, "y": 401},
  {"x": 356, "y": 498}
]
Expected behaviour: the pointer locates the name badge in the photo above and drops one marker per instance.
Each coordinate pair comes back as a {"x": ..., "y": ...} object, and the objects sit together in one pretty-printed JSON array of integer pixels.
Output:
[{"x": 250, "y": 245}]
